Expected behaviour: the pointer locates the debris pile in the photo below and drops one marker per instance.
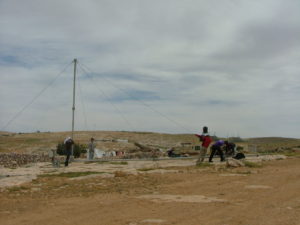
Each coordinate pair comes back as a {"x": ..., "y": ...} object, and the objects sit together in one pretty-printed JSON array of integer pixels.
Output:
[
  {"x": 143, "y": 151},
  {"x": 272, "y": 157},
  {"x": 12, "y": 160},
  {"x": 234, "y": 163}
]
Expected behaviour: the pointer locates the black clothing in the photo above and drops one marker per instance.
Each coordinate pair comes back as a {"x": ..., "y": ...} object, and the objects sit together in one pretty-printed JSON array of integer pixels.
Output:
[
  {"x": 68, "y": 144},
  {"x": 240, "y": 155},
  {"x": 229, "y": 149},
  {"x": 171, "y": 153},
  {"x": 215, "y": 148},
  {"x": 67, "y": 159}
]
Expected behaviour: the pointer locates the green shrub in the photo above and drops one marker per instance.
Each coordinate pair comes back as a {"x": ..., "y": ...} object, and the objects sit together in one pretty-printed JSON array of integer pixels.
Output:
[
  {"x": 78, "y": 149},
  {"x": 60, "y": 149}
]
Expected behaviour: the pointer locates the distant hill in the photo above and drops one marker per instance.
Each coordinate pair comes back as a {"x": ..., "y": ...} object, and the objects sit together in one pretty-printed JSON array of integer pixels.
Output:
[
  {"x": 271, "y": 140},
  {"x": 44, "y": 141},
  {"x": 274, "y": 143}
]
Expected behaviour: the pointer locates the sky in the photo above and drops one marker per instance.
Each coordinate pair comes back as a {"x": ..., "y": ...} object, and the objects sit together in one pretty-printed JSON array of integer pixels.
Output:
[{"x": 170, "y": 66}]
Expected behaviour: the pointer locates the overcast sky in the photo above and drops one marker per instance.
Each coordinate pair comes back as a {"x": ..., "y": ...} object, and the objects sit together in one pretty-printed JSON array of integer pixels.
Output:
[{"x": 162, "y": 65}]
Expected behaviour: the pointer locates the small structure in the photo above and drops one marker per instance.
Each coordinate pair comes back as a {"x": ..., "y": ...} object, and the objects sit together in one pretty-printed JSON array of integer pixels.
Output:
[{"x": 98, "y": 153}]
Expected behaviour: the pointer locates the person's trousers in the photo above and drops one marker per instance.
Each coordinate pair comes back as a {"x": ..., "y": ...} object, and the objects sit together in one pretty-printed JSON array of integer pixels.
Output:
[
  {"x": 202, "y": 154},
  {"x": 67, "y": 158},
  {"x": 215, "y": 149},
  {"x": 91, "y": 155}
]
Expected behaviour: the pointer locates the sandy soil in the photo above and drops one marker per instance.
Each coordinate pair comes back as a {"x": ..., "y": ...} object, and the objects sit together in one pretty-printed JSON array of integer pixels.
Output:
[{"x": 164, "y": 192}]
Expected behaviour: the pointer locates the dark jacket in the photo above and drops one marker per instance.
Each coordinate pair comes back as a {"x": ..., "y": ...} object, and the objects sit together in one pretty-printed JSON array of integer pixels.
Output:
[
  {"x": 229, "y": 146},
  {"x": 69, "y": 144}
]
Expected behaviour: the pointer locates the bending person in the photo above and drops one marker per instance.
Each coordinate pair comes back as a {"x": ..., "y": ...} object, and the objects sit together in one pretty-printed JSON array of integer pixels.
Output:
[
  {"x": 217, "y": 147},
  {"x": 229, "y": 148}
]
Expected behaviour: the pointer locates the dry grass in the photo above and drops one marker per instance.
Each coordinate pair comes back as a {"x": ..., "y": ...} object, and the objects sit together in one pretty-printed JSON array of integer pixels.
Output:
[
  {"x": 43, "y": 142},
  {"x": 120, "y": 174},
  {"x": 70, "y": 174},
  {"x": 119, "y": 163},
  {"x": 146, "y": 169},
  {"x": 60, "y": 185},
  {"x": 268, "y": 144},
  {"x": 17, "y": 188},
  {"x": 252, "y": 164},
  {"x": 204, "y": 165}
]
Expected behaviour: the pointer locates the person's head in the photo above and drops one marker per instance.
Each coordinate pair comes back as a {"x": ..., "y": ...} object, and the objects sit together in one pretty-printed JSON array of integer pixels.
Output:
[
  {"x": 205, "y": 129},
  {"x": 68, "y": 138},
  {"x": 226, "y": 142},
  {"x": 92, "y": 139}
]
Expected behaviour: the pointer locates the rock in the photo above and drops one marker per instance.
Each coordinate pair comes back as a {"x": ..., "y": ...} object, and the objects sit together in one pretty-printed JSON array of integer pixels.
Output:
[
  {"x": 12, "y": 160},
  {"x": 296, "y": 150},
  {"x": 13, "y": 164},
  {"x": 234, "y": 163}
]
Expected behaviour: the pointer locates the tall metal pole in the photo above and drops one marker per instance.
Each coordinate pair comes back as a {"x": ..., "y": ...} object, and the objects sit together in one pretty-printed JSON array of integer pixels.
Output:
[{"x": 73, "y": 108}]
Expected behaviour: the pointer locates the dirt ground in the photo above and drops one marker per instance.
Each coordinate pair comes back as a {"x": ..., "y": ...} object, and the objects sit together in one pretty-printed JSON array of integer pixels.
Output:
[{"x": 163, "y": 193}]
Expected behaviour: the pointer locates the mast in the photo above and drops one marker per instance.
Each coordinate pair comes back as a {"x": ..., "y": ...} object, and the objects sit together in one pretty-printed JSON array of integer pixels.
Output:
[{"x": 73, "y": 108}]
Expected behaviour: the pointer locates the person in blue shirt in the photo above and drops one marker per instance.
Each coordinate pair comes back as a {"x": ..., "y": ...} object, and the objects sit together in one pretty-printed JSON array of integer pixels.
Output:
[{"x": 217, "y": 147}]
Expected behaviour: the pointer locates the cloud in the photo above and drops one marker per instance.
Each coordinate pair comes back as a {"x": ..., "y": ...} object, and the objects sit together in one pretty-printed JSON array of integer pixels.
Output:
[{"x": 169, "y": 66}]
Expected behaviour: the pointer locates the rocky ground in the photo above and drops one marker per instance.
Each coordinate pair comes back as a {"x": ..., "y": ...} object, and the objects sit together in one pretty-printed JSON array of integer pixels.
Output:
[{"x": 263, "y": 191}]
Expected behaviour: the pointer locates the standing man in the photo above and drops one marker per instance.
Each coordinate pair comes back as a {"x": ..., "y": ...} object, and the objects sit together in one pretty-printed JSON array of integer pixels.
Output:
[
  {"x": 68, "y": 144},
  {"x": 92, "y": 146},
  {"x": 217, "y": 147},
  {"x": 206, "y": 140}
]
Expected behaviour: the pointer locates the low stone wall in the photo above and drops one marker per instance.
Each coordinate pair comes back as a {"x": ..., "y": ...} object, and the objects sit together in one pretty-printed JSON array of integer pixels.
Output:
[{"x": 12, "y": 160}]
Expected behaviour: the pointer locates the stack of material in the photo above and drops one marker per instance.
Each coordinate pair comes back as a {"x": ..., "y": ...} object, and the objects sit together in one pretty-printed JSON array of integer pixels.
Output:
[
  {"x": 144, "y": 148},
  {"x": 12, "y": 160}
]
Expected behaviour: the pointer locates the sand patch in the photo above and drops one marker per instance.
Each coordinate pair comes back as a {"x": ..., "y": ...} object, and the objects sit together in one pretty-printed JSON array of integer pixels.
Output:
[
  {"x": 182, "y": 198},
  {"x": 16, "y": 181},
  {"x": 232, "y": 175},
  {"x": 257, "y": 187},
  {"x": 151, "y": 221},
  {"x": 162, "y": 171}
]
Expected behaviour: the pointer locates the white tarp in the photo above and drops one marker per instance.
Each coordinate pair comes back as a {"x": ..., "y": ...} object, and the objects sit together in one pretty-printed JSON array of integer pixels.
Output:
[
  {"x": 122, "y": 140},
  {"x": 98, "y": 153},
  {"x": 110, "y": 154}
]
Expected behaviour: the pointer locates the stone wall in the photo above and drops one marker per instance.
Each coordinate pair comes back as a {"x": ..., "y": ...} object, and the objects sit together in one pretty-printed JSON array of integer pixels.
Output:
[{"x": 13, "y": 160}]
